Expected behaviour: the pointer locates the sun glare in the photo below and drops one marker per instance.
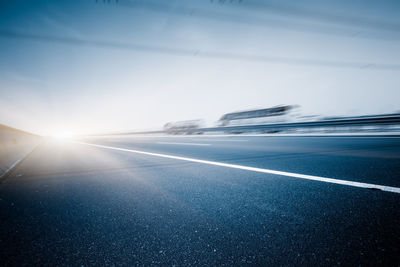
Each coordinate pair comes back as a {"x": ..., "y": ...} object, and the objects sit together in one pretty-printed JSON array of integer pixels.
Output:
[{"x": 62, "y": 136}]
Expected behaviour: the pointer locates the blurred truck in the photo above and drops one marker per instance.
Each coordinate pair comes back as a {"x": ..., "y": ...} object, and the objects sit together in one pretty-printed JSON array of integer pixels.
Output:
[
  {"x": 184, "y": 127},
  {"x": 277, "y": 114}
]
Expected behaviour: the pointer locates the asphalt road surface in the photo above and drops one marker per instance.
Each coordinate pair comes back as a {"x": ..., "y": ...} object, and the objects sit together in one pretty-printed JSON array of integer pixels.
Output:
[{"x": 204, "y": 200}]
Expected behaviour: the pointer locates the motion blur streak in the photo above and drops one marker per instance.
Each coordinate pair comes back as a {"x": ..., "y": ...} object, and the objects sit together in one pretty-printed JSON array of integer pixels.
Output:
[
  {"x": 199, "y": 53},
  {"x": 266, "y": 21}
]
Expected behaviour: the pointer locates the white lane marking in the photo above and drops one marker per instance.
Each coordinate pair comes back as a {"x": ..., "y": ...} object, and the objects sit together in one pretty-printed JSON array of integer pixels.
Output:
[
  {"x": 226, "y": 140},
  {"x": 361, "y": 135},
  {"x": 183, "y": 144},
  {"x": 254, "y": 169},
  {"x": 17, "y": 162},
  {"x": 12, "y": 167}
]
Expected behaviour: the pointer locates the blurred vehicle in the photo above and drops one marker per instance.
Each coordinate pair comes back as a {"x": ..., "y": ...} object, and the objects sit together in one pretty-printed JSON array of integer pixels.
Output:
[
  {"x": 184, "y": 127},
  {"x": 277, "y": 114}
]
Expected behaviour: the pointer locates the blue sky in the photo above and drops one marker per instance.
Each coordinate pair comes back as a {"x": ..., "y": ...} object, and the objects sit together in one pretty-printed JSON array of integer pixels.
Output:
[{"x": 48, "y": 86}]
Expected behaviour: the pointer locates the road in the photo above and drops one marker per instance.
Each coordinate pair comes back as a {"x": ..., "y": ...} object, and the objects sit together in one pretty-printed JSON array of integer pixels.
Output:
[{"x": 204, "y": 200}]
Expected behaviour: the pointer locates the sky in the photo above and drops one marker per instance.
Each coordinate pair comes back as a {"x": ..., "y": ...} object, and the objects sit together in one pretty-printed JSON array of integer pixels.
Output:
[{"x": 87, "y": 66}]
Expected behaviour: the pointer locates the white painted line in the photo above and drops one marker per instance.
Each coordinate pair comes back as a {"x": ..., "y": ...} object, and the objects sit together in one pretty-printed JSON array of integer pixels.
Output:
[
  {"x": 254, "y": 169},
  {"x": 16, "y": 163},
  {"x": 183, "y": 144},
  {"x": 12, "y": 167},
  {"x": 392, "y": 134},
  {"x": 226, "y": 140}
]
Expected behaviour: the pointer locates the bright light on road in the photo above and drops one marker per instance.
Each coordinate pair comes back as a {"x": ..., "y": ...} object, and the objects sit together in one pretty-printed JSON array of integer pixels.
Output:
[{"x": 62, "y": 136}]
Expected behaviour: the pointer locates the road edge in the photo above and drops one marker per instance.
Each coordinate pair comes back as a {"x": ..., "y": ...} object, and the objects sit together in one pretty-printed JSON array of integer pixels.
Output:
[{"x": 17, "y": 163}]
